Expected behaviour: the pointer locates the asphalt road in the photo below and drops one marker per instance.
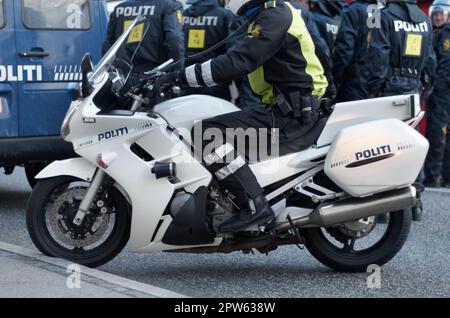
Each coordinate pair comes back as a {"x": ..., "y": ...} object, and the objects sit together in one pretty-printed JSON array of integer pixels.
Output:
[{"x": 421, "y": 269}]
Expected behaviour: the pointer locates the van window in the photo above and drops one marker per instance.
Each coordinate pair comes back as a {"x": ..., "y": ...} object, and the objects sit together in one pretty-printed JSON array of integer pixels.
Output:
[
  {"x": 57, "y": 14},
  {"x": 2, "y": 21}
]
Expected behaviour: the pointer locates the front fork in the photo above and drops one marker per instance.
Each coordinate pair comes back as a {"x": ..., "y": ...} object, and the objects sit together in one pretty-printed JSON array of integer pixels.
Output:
[{"x": 85, "y": 205}]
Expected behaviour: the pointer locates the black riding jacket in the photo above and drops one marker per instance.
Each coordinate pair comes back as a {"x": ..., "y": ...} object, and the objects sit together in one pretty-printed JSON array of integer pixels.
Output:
[
  {"x": 164, "y": 38},
  {"x": 278, "y": 50}
]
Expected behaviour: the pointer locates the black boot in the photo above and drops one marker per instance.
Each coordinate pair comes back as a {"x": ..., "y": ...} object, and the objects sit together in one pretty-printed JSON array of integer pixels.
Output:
[
  {"x": 418, "y": 208},
  {"x": 417, "y": 211},
  {"x": 242, "y": 183},
  {"x": 432, "y": 182},
  {"x": 238, "y": 178},
  {"x": 262, "y": 215},
  {"x": 446, "y": 184},
  {"x": 383, "y": 219}
]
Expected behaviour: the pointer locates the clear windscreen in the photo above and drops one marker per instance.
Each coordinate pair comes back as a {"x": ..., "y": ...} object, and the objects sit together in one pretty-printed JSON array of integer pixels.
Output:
[{"x": 110, "y": 57}]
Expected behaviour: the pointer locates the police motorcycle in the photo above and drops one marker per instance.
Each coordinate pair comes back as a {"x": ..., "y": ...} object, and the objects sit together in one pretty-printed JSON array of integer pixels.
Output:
[{"x": 138, "y": 183}]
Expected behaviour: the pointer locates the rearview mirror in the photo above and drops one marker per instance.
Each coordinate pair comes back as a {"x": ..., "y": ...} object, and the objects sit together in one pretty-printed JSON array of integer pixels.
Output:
[{"x": 87, "y": 66}]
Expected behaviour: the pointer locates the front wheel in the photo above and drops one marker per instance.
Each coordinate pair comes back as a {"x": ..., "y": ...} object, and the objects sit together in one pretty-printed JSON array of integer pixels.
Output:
[
  {"x": 32, "y": 170},
  {"x": 353, "y": 246},
  {"x": 103, "y": 234}
]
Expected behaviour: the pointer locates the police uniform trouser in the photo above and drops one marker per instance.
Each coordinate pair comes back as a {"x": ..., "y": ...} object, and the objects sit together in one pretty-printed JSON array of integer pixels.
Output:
[
  {"x": 350, "y": 91},
  {"x": 229, "y": 164},
  {"x": 395, "y": 91},
  {"x": 438, "y": 134}
]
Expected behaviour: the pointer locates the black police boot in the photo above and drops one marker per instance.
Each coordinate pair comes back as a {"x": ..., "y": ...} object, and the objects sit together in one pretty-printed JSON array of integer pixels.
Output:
[
  {"x": 446, "y": 184},
  {"x": 382, "y": 219},
  {"x": 417, "y": 211},
  {"x": 432, "y": 182},
  {"x": 239, "y": 179},
  {"x": 418, "y": 208},
  {"x": 261, "y": 215},
  {"x": 254, "y": 208}
]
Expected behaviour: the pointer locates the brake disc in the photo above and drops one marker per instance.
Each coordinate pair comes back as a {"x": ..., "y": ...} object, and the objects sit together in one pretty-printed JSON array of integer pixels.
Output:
[
  {"x": 355, "y": 229},
  {"x": 65, "y": 231}
]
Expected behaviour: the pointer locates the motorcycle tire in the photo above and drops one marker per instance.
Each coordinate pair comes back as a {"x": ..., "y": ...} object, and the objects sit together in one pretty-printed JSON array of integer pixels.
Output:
[
  {"x": 358, "y": 261},
  {"x": 43, "y": 240}
]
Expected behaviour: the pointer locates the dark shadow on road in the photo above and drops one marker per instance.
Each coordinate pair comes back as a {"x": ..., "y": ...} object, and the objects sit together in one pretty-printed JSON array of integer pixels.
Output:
[{"x": 13, "y": 198}]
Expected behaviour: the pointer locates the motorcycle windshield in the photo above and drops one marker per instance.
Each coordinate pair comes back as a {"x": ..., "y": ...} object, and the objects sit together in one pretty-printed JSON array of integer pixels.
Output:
[{"x": 109, "y": 58}]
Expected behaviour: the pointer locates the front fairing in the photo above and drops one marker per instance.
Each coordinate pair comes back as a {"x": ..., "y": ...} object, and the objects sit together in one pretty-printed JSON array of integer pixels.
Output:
[{"x": 97, "y": 79}]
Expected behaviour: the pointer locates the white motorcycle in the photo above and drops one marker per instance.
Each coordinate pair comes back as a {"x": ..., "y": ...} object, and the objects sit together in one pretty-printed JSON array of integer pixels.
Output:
[{"x": 137, "y": 181}]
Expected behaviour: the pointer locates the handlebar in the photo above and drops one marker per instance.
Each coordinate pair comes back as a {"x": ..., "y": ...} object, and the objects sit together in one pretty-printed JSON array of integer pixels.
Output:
[{"x": 144, "y": 90}]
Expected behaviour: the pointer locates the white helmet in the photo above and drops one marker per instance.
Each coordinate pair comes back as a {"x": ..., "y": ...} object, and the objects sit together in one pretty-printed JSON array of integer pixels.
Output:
[
  {"x": 440, "y": 8},
  {"x": 235, "y": 5}
]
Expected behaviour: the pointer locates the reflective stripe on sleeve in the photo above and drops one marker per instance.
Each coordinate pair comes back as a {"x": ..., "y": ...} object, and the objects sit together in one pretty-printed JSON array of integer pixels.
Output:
[
  {"x": 207, "y": 74},
  {"x": 191, "y": 77}
]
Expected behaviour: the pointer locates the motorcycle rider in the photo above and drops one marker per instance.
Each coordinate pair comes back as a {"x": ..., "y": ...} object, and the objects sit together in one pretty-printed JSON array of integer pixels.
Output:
[
  {"x": 350, "y": 50},
  {"x": 206, "y": 23},
  {"x": 397, "y": 55},
  {"x": 164, "y": 38},
  {"x": 278, "y": 56},
  {"x": 437, "y": 165}
]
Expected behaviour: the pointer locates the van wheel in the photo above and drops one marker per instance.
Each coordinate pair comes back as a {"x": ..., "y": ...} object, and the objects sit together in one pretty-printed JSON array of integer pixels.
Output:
[
  {"x": 32, "y": 170},
  {"x": 353, "y": 246}
]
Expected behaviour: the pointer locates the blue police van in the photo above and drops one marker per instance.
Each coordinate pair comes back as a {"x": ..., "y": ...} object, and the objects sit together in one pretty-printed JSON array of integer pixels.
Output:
[{"x": 42, "y": 43}]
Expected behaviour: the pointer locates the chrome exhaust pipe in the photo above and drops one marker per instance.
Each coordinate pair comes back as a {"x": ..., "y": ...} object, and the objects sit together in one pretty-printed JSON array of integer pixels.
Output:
[{"x": 355, "y": 208}]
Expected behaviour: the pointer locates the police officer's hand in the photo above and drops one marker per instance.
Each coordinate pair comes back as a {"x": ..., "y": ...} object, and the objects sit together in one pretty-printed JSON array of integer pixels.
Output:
[
  {"x": 331, "y": 92},
  {"x": 166, "y": 81},
  {"x": 327, "y": 106}
]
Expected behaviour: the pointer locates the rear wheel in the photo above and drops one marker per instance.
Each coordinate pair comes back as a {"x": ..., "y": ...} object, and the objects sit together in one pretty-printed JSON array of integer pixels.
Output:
[
  {"x": 102, "y": 235},
  {"x": 353, "y": 246}
]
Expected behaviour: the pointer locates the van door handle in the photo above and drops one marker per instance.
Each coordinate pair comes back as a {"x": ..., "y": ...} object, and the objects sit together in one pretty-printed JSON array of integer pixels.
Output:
[{"x": 34, "y": 54}]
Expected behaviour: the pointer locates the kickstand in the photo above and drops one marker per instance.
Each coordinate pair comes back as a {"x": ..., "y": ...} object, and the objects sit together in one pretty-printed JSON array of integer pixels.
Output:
[{"x": 296, "y": 233}]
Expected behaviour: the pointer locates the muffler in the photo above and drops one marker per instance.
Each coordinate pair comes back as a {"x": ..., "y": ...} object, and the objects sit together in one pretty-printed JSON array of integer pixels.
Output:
[{"x": 356, "y": 208}]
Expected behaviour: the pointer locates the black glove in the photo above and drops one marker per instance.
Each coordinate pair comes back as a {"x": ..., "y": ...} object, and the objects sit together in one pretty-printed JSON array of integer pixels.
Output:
[
  {"x": 327, "y": 106},
  {"x": 331, "y": 92},
  {"x": 167, "y": 80}
]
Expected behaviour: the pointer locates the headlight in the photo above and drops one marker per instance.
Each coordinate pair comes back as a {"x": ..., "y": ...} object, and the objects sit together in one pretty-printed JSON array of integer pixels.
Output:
[{"x": 65, "y": 128}]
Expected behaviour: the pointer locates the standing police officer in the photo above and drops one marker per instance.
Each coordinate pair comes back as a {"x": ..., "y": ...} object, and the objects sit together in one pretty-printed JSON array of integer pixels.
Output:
[
  {"x": 350, "y": 50},
  {"x": 206, "y": 23},
  {"x": 279, "y": 56},
  {"x": 161, "y": 34},
  {"x": 327, "y": 17},
  {"x": 437, "y": 165},
  {"x": 398, "y": 52},
  {"x": 323, "y": 50}
]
